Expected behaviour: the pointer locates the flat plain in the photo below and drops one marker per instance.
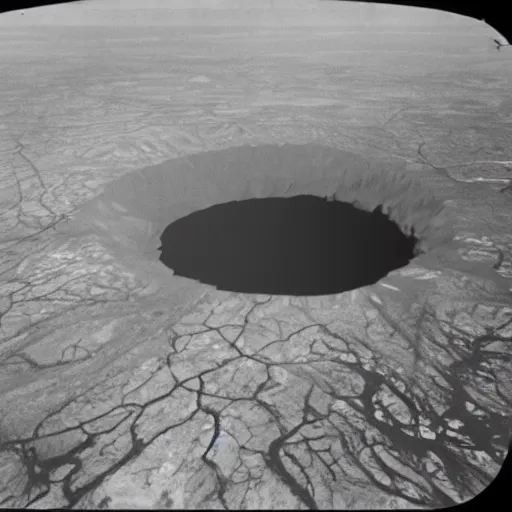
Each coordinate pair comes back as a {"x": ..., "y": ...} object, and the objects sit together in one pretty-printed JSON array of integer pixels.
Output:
[{"x": 393, "y": 395}]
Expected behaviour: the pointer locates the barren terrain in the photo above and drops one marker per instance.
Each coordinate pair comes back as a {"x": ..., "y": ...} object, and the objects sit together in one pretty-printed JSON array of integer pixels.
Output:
[{"x": 123, "y": 386}]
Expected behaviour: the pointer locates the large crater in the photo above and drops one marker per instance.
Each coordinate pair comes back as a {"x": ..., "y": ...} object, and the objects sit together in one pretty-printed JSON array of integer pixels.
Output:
[{"x": 390, "y": 216}]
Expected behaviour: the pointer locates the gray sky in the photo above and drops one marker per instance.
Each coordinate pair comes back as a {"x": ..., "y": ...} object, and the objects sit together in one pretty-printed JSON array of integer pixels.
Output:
[{"x": 231, "y": 12}]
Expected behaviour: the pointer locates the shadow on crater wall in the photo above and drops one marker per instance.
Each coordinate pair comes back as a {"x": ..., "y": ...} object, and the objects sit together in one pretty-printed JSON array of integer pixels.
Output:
[{"x": 303, "y": 245}]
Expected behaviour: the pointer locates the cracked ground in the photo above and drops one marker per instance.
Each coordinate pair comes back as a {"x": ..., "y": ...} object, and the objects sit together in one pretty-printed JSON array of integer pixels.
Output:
[{"x": 117, "y": 393}]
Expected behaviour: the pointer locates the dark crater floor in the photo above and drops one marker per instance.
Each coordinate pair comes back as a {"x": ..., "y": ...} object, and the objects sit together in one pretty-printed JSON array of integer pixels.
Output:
[{"x": 303, "y": 245}]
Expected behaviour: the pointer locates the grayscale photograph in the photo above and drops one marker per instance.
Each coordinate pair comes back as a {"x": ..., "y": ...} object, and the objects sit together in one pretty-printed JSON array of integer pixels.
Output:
[{"x": 253, "y": 255}]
